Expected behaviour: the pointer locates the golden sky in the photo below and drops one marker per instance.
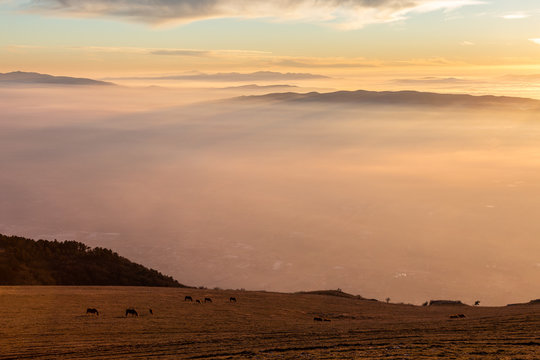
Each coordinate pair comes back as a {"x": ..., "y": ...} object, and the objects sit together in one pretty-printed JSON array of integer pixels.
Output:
[{"x": 385, "y": 44}]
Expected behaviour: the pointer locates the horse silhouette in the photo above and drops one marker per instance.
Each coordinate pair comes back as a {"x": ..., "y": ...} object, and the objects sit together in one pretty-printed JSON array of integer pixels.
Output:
[
  {"x": 198, "y": 301},
  {"x": 477, "y": 302},
  {"x": 232, "y": 299},
  {"x": 92, "y": 311},
  {"x": 206, "y": 299},
  {"x": 150, "y": 311},
  {"x": 132, "y": 312},
  {"x": 317, "y": 319},
  {"x": 188, "y": 298}
]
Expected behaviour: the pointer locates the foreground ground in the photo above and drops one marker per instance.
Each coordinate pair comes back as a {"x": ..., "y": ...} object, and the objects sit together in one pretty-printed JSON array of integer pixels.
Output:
[{"x": 50, "y": 323}]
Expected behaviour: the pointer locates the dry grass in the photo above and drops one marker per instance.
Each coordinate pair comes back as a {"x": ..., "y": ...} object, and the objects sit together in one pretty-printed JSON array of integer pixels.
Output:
[{"x": 50, "y": 323}]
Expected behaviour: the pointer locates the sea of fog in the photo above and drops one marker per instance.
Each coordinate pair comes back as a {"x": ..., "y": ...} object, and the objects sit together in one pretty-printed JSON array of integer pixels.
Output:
[{"x": 411, "y": 203}]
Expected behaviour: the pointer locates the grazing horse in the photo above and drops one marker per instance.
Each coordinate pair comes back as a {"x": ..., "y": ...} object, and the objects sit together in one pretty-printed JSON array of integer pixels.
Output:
[
  {"x": 132, "y": 312},
  {"x": 188, "y": 298},
  {"x": 477, "y": 302},
  {"x": 198, "y": 301},
  {"x": 317, "y": 319},
  {"x": 207, "y": 300},
  {"x": 232, "y": 299},
  {"x": 92, "y": 311}
]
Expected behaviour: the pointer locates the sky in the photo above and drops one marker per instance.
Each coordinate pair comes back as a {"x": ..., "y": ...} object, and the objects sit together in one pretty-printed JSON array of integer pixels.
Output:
[{"x": 345, "y": 38}]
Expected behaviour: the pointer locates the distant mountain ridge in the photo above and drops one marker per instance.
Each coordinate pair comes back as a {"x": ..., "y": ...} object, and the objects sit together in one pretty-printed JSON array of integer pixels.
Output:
[
  {"x": 257, "y": 87},
  {"x": 29, "y": 262},
  {"x": 532, "y": 302},
  {"x": 20, "y": 77},
  {"x": 405, "y": 97},
  {"x": 233, "y": 76}
]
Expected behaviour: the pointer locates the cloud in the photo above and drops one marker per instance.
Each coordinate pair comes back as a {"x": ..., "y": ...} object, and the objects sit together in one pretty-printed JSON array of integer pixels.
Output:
[
  {"x": 536, "y": 41},
  {"x": 515, "y": 16},
  {"x": 197, "y": 53},
  {"x": 522, "y": 78},
  {"x": 348, "y": 14},
  {"x": 206, "y": 53},
  {"x": 431, "y": 80},
  {"x": 325, "y": 63}
]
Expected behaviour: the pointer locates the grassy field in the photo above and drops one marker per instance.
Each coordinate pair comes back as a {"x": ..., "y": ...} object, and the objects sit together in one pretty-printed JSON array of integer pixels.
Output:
[{"x": 50, "y": 323}]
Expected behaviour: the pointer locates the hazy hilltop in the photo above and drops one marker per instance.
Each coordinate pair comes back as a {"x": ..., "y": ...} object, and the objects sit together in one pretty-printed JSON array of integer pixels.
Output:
[
  {"x": 406, "y": 97},
  {"x": 20, "y": 77},
  {"x": 236, "y": 77},
  {"x": 28, "y": 262}
]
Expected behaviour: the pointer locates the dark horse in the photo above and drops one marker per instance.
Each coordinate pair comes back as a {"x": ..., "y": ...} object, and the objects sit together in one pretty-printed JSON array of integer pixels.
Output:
[
  {"x": 133, "y": 312},
  {"x": 207, "y": 300},
  {"x": 92, "y": 311},
  {"x": 188, "y": 298},
  {"x": 232, "y": 299}
]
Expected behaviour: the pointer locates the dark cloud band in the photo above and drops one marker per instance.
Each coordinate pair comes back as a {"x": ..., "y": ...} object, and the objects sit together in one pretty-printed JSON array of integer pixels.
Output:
[{"x": 347, "y": 13}]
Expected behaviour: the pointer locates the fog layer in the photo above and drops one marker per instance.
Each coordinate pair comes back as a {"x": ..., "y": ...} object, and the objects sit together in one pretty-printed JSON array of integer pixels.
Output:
[{"x": 414, "y": 203}]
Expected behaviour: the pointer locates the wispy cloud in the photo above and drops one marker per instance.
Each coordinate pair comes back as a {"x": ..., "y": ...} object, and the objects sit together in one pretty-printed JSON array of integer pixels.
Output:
[
  {"x": 536, "y": 41},
  {"x": 207, "y": 53},
  {"x": 349, "y": 14},
  {"x": 181, "y": 52},
  {"x": 324, "y": 62},
  {"x": 515, "y": 16},
  {"x": 169, "y": 51},
  {"x": 431, "y": 80}
]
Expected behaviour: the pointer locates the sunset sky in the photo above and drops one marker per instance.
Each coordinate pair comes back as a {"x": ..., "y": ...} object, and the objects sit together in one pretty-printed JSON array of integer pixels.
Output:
[{"x": 347, "y": 37}]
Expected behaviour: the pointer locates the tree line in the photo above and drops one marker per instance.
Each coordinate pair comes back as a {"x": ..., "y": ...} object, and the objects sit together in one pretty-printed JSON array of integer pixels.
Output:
[{"x": 42, "y": 262}]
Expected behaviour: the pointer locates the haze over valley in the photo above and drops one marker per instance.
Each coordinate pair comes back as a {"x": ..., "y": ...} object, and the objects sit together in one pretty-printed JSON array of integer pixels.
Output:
[{"x": 426, "y": 197}]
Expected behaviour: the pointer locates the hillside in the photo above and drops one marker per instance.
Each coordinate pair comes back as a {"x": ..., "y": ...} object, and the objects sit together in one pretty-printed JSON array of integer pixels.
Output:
[
  {"x": 28, "y": 262},
  {"x": 337, "y": 293},
  {"x": 403, "y": 98},
  {"x": 20, "y": 77},
  {"x": 51, "y": 323}
]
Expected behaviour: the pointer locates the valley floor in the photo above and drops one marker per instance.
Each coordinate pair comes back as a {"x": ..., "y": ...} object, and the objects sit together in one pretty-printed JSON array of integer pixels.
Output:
[{"x": 51, "y": 323}]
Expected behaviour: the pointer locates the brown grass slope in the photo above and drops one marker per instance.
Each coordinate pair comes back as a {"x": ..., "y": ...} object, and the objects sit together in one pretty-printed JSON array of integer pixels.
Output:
[{"x": 50, "y": 323}]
